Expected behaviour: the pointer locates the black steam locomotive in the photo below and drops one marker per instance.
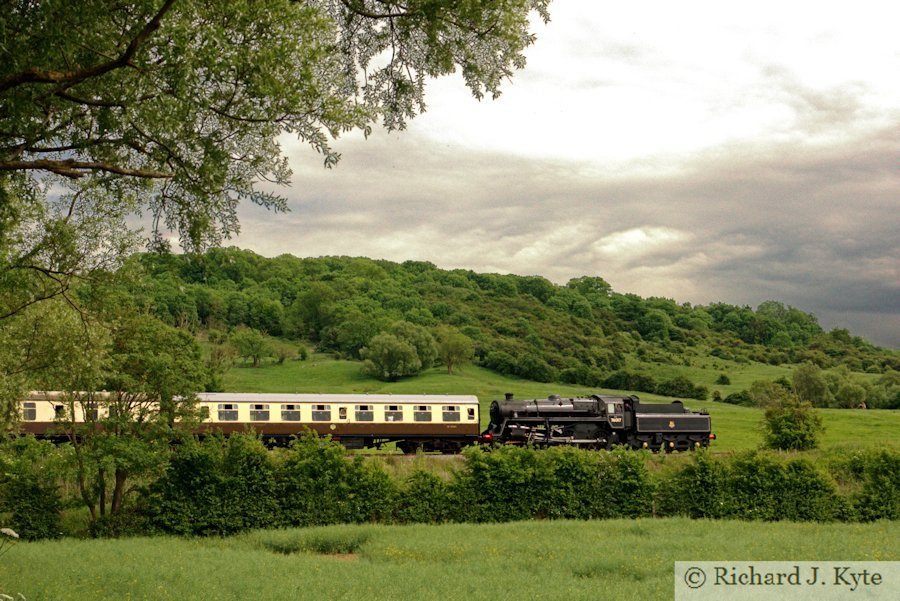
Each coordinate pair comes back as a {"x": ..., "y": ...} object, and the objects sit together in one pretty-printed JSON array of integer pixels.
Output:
[{"x": 598, "y": 422}]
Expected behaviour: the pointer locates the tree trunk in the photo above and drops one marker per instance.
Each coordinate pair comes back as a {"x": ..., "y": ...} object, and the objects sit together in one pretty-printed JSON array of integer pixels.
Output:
[
  {"x": 119, "y": 490},
  {"x": 101, "y": 488}
]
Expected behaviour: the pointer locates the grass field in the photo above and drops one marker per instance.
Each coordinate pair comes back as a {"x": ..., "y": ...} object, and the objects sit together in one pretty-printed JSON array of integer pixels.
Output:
[
  {"x": 572, "y": 561},
  {"x": 736, "y": 428}
]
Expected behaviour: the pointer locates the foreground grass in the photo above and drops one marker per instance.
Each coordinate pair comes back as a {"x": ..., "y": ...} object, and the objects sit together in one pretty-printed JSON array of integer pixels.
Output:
[
  {"x": 621, "y": 559},
  {"x": 737, "y": 428}
]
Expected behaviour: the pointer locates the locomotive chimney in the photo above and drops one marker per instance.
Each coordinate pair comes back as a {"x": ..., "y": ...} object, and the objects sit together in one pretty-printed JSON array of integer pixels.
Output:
[{"x": 508, "y": 396}]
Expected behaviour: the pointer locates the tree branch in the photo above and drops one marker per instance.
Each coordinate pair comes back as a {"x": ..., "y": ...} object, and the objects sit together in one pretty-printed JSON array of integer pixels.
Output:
[
  {"x": 76, "y": 169},
  {"x": 359, "y": 9},
  {"x": 70, "y": 78}
]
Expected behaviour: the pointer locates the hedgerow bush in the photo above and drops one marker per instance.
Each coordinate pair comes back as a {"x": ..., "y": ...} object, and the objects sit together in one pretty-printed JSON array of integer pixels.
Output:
[
  {"x": 318, "y": 484},
  {"x": 29, "y": 471},
  {"x": 878, "y": 496},
  {"x": 219, "y": 486},
  {"x": 517, "y": 483},
  {"x": 751, "y": 486},
  {"x": 424, "y": 498},
  {"x": 698, "y": 490},
  {"x": 225, "y": 486}
]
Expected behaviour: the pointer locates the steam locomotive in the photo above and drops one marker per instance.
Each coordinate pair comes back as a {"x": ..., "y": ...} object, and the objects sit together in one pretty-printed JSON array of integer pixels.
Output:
[{"x": 598, "y": 422}]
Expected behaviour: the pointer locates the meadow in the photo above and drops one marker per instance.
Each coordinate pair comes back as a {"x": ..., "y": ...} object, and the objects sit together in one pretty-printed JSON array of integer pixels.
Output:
[
  {"x": 564, "y": 560},
  {"x": 737, "y": 428}
]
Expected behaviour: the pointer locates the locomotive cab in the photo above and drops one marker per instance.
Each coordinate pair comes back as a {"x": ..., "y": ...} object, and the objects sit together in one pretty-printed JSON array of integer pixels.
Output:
[{"x": 615, "y": 413}]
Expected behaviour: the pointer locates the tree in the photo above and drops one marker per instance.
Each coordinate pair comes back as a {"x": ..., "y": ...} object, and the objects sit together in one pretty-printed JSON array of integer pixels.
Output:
[
  {"x": 420, "y": 338},
  {"x": 655, "y": 324},
  {"x": 180, "y": 104},
  {"x": 454, "y": 347},
  {"x": 251, "y": 344},
  {"x": 810, "y": 385},
  {"x": 791, "y": 424},
  {"x": 150, "y": 372},
  {"x": 390, "y": 358}
]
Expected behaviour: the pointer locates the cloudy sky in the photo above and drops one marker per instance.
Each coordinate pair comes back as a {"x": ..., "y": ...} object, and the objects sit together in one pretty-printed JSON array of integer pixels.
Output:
[{"x": 699, "y": 150}]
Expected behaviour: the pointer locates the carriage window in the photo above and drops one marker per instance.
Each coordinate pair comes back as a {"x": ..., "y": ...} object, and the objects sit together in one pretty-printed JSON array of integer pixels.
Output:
[
  {"x": 364, "y": 413},
  {"x": 259, "y": 413},
  {"x": 450, "y": 413},
  {"x": 422, "y": 413},
  {"x": 290, "y": 413},
  {"x": 29, "y": 412},
  {"x": 91, "y": 411},
  {"x": 342, "y": 413},
  {"x": 393, "y": 413},
  {"x": 60, "y": 411},
  {"x": 470, "y": 412},
  {"x": 204, "y": 412},
  {"x": 228, "y": 412},
  {"x": 321, "y": 413}
]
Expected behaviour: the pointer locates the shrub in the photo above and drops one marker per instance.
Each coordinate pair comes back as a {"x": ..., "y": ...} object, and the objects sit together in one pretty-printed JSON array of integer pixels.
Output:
[
  {"x": 681, "y": 386},
  {"x": 34, "y": 505},
  {"x": 626, "y": 380},
  {"x": 879, "y": 497},
  {"x": 809, "y": 495},
  {"x": 755, "y": 486},
  {"x": 29, "y": 470},
  {"x": 699, "y": 490},
  {"x": 741, "y": 398},
  {"x": 318, "y": 484},
  {"x": 214, "y": 487},
  {"x": 424, "y": 499},
  {"x": 791, "y": 425}
]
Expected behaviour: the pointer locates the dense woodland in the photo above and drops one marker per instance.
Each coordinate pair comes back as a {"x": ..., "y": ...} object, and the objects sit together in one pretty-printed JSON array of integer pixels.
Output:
[{"x": 579, "y": 333}]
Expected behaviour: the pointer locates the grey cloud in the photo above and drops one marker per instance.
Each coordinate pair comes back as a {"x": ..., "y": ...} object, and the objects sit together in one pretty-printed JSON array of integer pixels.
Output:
[{"x": 815, "y": 227}]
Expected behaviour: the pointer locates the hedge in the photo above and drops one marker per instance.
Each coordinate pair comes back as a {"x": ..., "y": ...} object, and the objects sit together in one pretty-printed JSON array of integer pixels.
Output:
[{"x": 222, "y": 486}]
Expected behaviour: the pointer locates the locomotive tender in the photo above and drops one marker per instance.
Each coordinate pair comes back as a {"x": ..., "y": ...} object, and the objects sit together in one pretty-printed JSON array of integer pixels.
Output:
[
  {"x": 599, "y": 422},
  {"x": 445, "y": 423}
]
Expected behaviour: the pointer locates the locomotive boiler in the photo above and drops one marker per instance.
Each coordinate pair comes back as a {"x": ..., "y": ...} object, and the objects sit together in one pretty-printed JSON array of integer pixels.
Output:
[{"x": 598, "y": 422}]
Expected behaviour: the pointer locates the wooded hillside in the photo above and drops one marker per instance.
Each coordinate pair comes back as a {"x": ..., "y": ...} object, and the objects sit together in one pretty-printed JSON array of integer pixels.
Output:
[{"x": 582, "y": 332}]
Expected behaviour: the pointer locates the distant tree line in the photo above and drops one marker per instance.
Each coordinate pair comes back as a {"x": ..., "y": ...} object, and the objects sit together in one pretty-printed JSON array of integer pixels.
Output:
[
  {"x": 835, "y": 388},
  {"x": 526, "y": 326}
]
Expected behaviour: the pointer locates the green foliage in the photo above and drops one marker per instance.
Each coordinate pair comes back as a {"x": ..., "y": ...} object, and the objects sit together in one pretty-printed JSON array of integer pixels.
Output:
[
  {"x": 680, "y": 386},
  {"x": 425, "y": 499},
  {"x": 454, "y": 347},
  {"x": 700, "y": 489},
  {"x": 390, "y": 358},
  {"x": 625, "y": 380},
  {"x": 879, "y": 496},
  {"x": 761, "y": 488},
  {"x": 515, "y": 483},
  {"x": 28, "y": 487},
  {"x": 317, "y": 484},
  {"x": 810, "y": 386},
  {"x": 251, "y": 344},
  {"x": 791, "y": 425},
  {"x": 215, "y": 487},
  {"x": 581, "y": 334},
  {"x": 182, "y": 104}
]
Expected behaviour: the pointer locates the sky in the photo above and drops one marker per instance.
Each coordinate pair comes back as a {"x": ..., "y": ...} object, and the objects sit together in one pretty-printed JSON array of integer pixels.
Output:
[{"x": 699, "y": 151}]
